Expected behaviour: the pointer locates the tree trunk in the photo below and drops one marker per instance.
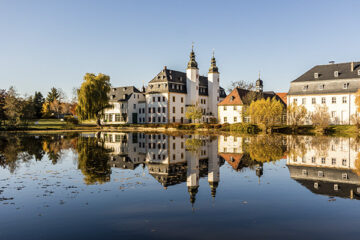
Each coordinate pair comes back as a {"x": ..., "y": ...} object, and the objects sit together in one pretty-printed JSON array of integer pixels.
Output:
[{"x": 98, "y": 123}]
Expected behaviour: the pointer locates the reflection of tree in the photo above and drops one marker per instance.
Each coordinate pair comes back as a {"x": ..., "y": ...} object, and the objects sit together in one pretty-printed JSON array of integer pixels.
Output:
[
  {"x": 321, "y": 145},
  {"x": 266, "y": 148},
  {"x": 93, "y": 161},
  {"x": 15, "y": 149},
  {"x": 193, "y": 144},
  {"x": 22, "y": 148},
  {"x": 357, "y": 165},
  {"x": 296, "y": 146}
]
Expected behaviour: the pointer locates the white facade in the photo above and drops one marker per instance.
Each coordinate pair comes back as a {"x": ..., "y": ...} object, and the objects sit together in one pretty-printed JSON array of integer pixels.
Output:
[
  {"x": 230, "y": 114},
  {"x": 340, "y": 106},
  {"x": 331, "y": 85},
  {"x": 127, "y": 106}
]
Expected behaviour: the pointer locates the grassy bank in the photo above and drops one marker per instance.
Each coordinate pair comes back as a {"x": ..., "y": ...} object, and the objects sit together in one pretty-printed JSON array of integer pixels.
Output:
[{"x": 58, "y": 125}]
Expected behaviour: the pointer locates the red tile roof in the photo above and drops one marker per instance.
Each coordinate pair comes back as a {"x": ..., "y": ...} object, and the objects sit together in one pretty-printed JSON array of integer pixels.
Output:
[
  {"x": 283, "y": 96},
  {"x": 235, "y": 97}
]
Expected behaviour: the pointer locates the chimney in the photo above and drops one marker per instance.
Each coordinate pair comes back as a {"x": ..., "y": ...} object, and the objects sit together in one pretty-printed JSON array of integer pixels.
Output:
[
  {"x": 331, "y": 62},
  {"x": 165, "y": 67},
  {"x": 352, "y": 66}
]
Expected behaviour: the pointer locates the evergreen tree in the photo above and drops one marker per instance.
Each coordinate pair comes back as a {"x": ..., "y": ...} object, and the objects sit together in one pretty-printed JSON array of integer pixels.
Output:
[
  {"x": 38, "y": 103},
  {"x": 53, "y": 95},
  {"x": 2, "y": 106}
]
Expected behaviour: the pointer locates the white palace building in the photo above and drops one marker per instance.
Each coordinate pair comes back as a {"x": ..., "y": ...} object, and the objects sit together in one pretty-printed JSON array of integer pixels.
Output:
[
  {"x": 167, "y": 97},
  {"x": 332, "y": 85}
]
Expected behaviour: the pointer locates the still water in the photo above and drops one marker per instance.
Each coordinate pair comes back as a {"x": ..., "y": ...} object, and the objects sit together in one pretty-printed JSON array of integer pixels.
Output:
[{"x": 156, "y": 186}]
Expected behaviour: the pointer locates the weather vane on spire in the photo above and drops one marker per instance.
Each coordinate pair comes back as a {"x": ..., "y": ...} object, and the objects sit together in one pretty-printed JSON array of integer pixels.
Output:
[
  {"x": 259, "y": 74},
  {"x": 192, "y": 46},
  {"x": 213, "y": 52}
]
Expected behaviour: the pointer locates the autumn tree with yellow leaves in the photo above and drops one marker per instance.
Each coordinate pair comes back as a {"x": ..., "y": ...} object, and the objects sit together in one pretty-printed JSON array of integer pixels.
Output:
[{"x": 266, "y": 113}]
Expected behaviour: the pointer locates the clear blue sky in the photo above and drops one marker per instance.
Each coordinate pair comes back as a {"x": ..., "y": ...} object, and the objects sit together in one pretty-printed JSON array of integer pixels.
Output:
[{"x": 54, "y": 43}]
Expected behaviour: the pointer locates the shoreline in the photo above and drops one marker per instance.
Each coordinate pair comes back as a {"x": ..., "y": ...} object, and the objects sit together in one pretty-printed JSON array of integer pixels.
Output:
[{"x": 334, "y": 130}]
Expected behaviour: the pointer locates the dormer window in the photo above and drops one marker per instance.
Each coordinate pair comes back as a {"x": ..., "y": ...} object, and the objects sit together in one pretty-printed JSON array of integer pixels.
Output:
[
  {"x": 321, "y": 86},
  {"x": 358, "y": 72},
  {"x": 336, "y": 73},
  {"x": 232, "y": 98},
  {"x": 165, "y": 77},
  {"x": 316, "y": 75},
  {"x": 113, "y": 96},
  {"x": 114, "y": 89},
  {"x": 306, "y": 87},
  {"x": 346, "y": 85},
  {"x": 159, "y": 77}
]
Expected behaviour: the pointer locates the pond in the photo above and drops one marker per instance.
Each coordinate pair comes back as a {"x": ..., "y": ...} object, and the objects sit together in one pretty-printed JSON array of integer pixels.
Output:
[{"x": 110, "y": 185}]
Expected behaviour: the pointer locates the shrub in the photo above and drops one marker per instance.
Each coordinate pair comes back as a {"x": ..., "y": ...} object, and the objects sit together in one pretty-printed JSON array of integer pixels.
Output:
[
  {"x": 244, "y": 128},
  {"x": 71, "y": 120}
]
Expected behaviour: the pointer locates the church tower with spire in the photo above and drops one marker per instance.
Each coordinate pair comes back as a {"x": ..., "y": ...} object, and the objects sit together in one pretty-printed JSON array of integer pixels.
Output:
[
  {"x": 192, "y": 80},
  {"x": 259, "y": 85},
  {"x": 214, "y": 87}
]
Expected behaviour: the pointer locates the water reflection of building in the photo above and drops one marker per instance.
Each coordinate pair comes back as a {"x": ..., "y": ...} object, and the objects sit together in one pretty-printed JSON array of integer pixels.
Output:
[
  {"x": 325, "y": 165},
  {"x": 232, "y": 150},
  {"x": 168, "y": 158}
]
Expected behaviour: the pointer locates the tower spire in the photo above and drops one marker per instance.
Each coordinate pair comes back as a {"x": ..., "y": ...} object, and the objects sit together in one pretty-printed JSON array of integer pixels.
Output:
[
  {"x": 192, "y": 62},
  {"x": 213, "y": 68}
]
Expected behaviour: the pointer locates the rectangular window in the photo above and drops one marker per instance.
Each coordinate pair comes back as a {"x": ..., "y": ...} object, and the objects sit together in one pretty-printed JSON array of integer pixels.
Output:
[
  {"x": 316, "y": 75},
  {"x": 333, "y": 100},
  {"x": 159, "y": 99},
  {"x": 173, "y": 119},
  {"x": 173, "y": 98},
  {"x": 235, "y": 119},
  {"x": 313, "y": 100},
  {"x": 225, "y": 119},
  {"x": 303, "y": 100},
  {"x": 159, "y": 119},
  {"x": 110, "y": 117},
  {"x": 182, "y": 110},
  {"x": 159, "y": 109},
  {"x": 149, "y": 110},
  {"x": 346, "y": 85},
  {"x": 295, "y": 100},
  {"x": 182, "y": 99},
  {"x": 117, "y": 117},
  {"x": 164, "y": 119},
  {"x": 154, "y": 110},
  {"x": 163, "y": 99},
  {"x": 154, "y": 119},
  {"x": 321, "y": 86},
  {"x": 313, "y": 159},
  {"x": 344, "y": 99},
  {"x": 224, "y": 108},
  {"x": 333, "y": 161},
  {"x": 174, "y": 157},
  {"x": 336, "y": 73},
  {"x": 164, "y": 110},
  {"x": 322, "y": 160},
  {"x": 153, "y": 99},
  {"x": 173, "y": 109},
  {"x": 333, "y": 114},
  {"x": 235, "y": 107},
  {"x": 134, "y": 106},
  {"x": 323, "y": 100},
  {"x": 344, "y": 162}
]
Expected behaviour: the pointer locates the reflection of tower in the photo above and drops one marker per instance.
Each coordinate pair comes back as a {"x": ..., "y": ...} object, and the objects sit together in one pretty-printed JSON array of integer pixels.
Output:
[
  {"x": 259, "y": 170},
  {"x": 192, "y": 174},
  {"x": 213, "y": 167}
]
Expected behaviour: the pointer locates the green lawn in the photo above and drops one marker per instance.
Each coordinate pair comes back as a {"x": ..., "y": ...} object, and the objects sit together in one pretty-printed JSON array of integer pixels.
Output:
[{"x": 47, "y": 124}]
